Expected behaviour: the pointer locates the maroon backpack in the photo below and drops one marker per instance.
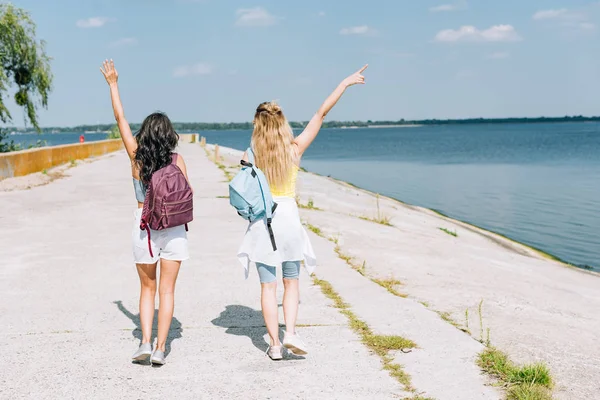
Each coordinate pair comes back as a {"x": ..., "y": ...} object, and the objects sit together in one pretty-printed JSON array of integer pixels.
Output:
[{"x": 169, "y": 200}]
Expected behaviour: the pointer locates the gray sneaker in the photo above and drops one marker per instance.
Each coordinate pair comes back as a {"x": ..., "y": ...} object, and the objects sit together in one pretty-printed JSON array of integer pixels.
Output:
[
  {"x": 143, "y": 353},
  {"x": 158, "y": 358}
]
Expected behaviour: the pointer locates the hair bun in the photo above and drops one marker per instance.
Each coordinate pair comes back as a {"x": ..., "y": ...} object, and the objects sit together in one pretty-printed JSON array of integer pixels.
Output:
[{"x": 270, "y": 107}]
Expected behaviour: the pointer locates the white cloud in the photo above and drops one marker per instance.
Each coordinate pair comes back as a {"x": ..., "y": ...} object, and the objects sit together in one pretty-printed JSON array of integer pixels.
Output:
[
  {"x": 497, "y": 33},
  {"x": 565, "y": 18},
  {"x": 499, "y": 55},
  {"x": 443, "y": 7},
  {"x": 461, "y": 5},
  {"x": 358, "y": 30},
  {"x": 256, "y": 16},
  {"x": 93, "y": 22},
  {"x": 190, "y": 70},
  {"x": 550, "y": 14},
  {"x": 130, "y": 41}
]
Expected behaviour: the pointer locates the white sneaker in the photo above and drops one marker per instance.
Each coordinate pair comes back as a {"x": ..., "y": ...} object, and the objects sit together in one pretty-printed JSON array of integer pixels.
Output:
[
  {"x": 294, "y": 344},
  {"x": 275, "y": 353}
]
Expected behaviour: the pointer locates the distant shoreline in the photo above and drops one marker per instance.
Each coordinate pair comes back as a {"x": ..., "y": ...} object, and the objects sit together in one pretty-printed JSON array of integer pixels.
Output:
[{"x": 227, "y": 126}]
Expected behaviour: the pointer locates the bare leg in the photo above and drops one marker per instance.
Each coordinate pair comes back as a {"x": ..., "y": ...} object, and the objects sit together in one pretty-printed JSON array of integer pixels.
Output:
[
  {"x": 268, "y": 302},
  {"x": 147, "y": 273},
  {"x": 291, "y": 296},
  {"x": 166, "y": 293}
]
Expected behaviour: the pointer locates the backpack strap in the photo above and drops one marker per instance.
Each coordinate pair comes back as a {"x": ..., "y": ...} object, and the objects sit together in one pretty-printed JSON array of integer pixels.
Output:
[
  {"x": 268, "y": 210},
  {"x": 250, "y": 154}
]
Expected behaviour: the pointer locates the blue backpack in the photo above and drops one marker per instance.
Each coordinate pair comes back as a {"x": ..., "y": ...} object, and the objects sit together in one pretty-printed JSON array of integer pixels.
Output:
[{"x": 250, "y": 195}]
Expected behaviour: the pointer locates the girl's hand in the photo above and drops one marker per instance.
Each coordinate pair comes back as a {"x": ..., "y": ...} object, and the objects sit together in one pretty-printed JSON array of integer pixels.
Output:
[
  {"x": 356, "y": 78},
  {"x": 110, "y": 73}
]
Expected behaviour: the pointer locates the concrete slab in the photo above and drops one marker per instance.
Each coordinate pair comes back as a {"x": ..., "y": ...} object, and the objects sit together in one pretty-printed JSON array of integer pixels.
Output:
[{"x": 68, "y": 303}]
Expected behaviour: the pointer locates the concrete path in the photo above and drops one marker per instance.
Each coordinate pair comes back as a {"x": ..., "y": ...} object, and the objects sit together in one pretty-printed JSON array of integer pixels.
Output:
[{"x": 69, "y": 293}]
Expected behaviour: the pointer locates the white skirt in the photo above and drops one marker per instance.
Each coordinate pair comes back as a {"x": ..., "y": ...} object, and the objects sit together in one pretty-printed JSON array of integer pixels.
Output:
[{"x": 291, "y": 239}]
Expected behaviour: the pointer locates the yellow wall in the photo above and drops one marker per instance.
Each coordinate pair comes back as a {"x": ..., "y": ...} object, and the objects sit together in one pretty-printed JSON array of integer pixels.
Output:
[{"x": 19, "y": 163}]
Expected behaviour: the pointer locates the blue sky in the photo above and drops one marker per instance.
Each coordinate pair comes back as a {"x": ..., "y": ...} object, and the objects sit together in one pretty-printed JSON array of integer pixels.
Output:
[{"x": 210, "y": 60}]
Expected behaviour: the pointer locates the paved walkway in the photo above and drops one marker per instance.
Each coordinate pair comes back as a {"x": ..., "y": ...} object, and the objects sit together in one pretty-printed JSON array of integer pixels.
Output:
[{"x": 69, "y": 292}]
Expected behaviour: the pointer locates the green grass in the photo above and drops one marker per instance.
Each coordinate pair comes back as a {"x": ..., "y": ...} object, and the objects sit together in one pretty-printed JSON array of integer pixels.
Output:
[
  {"x": 308, "y": 206},
  {"x": 314, "y": 229},
  {"x": 446, "y": 316},
  {"x": 390, "y": 285},
  {"x": 223, "y": 167},
  {"x": 527, "y": 382},
  {"x": 380, "y": 218},
  {"x": 222, "y": 197},
  {"x": 45, "y": 171},
  {"x": 381, "y": 345},
  {"x": 449, "y": 232},
  {"x": 382, "y": 221}
]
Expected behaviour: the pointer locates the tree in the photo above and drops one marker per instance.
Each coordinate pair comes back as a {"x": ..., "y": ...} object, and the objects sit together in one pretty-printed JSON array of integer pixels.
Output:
[
  {"x": 24, "y": 65},
  {"x": 114, "y": 133}
]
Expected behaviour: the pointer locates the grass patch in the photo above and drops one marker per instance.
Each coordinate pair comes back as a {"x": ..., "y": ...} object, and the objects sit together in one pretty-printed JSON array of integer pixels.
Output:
[
  {"x": 390, "y": 285},
  {"x": 45, "y": 171},
  {"x": 223, "y": 167},
  {"x": 383, "y": 221},
  {"x": 446, "y": 316},
  {"x": 426, "y": 304},
  {"x": 380, "y": 218},
  {"x": 308, "y": 206},
  {"x": 527, "y": 382},
  {"x": 314, "y": 229},
  {"x": 222, "y": 197},
  {"x": 449, "y": 232},
  {"x": 378, "y": 344}
]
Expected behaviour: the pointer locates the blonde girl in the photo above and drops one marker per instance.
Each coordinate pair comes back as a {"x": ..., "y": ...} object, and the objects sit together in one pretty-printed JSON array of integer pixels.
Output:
[{"x": 278, "y": 153}]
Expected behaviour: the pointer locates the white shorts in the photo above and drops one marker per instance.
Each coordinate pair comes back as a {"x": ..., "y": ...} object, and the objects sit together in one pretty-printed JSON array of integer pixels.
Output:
[{"x": 168, "y": 244}]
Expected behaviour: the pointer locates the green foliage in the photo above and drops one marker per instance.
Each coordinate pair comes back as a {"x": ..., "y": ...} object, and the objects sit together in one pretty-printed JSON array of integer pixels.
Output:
[
  {"x": 6, "y": 145},
  {"x": 449, "y": 232},
  {"x": 114, "y": 133},
  {"x": 183, "y": 127},
  {"x": 527, "y": 382},
  {"x": 24, "y": 65}
]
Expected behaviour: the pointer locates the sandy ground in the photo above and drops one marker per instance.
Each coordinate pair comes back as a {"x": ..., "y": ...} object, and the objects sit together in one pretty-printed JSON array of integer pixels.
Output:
[{"x": 534, "y": 308}]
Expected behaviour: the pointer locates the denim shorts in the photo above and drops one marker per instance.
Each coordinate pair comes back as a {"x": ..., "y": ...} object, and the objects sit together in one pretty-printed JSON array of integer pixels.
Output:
[{"x": 267, "y": 273}]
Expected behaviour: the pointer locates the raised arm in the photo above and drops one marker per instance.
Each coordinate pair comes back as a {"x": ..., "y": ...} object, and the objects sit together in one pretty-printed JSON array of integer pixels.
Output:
[
  {"x": 314, "y": 126},
  {"x": 112, "y": 77}
]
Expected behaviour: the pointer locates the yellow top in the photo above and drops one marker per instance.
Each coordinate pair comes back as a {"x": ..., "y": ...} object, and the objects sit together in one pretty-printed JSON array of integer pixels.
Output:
[{"x": 289, "y": 188}]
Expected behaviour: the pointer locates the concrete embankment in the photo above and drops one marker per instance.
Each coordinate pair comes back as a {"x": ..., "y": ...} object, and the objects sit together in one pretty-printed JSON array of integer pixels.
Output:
[
  {"x": 25, "y": 162},
  {"x": 536, "y": 309},
  {"x": 371, "y": 315}
]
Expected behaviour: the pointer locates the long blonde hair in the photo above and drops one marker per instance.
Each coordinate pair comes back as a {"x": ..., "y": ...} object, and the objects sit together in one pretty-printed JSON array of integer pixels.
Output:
[{"x": 273, "y": 143}]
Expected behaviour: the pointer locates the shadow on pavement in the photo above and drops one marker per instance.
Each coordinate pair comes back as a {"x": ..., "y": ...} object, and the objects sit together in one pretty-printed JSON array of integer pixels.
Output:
[
  {"x": 245, "y": 321},
  {"x": 174, "y": 331}
]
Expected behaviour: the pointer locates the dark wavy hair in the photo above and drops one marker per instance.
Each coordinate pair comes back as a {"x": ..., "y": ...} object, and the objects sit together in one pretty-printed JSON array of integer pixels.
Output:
[{"x": 156, "y": 141}]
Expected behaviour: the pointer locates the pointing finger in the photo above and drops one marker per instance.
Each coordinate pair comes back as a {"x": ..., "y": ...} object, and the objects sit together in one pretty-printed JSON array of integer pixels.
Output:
[{"x": 360, "y": 71}]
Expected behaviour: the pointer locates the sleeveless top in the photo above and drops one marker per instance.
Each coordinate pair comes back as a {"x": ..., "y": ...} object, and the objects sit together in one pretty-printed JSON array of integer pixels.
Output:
[
  {"x": 140, "y": 190},
  {"x": 288, "y": 188}
]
